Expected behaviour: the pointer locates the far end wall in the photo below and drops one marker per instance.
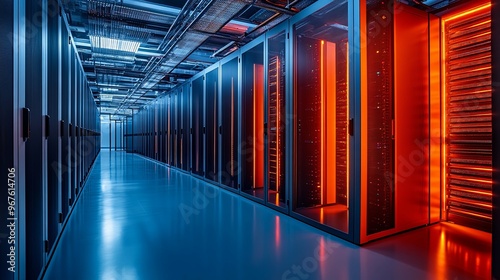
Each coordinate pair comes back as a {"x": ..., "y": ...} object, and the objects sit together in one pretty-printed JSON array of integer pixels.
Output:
[{"x": 112, "y": 134}]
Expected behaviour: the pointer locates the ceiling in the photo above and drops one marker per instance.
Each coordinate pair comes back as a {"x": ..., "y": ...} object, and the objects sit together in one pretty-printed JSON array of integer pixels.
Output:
[{"x": 133, "y": 51}]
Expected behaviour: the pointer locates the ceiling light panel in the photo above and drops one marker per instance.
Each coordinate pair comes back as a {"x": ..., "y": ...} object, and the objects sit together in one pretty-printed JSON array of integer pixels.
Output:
[
  {"x": 114, "y": 44},
  {"x": 106, "y": 97}
]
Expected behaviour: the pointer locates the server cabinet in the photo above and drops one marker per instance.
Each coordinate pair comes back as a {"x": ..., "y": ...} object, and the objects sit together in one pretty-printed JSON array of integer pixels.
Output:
[
  {"x": 131, "y": 134},
  {"x": 185, "y": 126},
  {"x": 212, "y": 124},
  {"x": 135, "y": 132},
  {"x": 144, "y": 132},
  {"x": 77, "y": 123},
  {"x": 145, "y": 127},
  {"x": 81, "y": 108},
  {"x": 380, "y": 116},
  {"x": 153, "y": 128},
  {"x": 321, "y": 100},
  {"x": 179, "y": 130},
  {"x": 85, "y": 125},
  {"x": 54, "y": 143},
  {"x": 159, "y": 106},
  {"x": 395, "y": 136},
  {"x": 138, "y": 130},
  {"x": 276, "y": 119},
  {"x": 253, "y": 126},
  {"x": 165, "y": 129},
  {"x": 151, "y": 131},
  {"x": 35, "y": 145},
  {"x": 72, "y": 126},
  {"x": 197, "y": 126},
  {"x": 143, "y": 135},
  {"x": 145, "y": 120},
  {"x": 128, "y": 134},
  {"x": 64, "y": 124},
  {"x": 146, "y": 123},
  {"x": 168, "y": 141},
  {"x": 229, "y": 123},
  {"x": 142, "y": 124},
  {"x": 174, "y": 107},
  {"x": 81, "y": 124},
  {"x": 139, "y": 135}
]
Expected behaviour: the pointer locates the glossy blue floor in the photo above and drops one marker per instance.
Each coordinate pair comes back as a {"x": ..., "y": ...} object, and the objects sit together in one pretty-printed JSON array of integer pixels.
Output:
[{"x": 137, "y": 219}]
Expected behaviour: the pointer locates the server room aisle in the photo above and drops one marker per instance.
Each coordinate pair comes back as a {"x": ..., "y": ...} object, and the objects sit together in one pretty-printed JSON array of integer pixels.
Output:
[{"x": 140, "y": 220}]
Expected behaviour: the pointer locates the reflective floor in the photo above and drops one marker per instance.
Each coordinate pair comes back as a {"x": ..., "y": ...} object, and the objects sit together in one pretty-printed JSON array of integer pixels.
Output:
[
  {"x": 140, "y": 220},
  {"x": 335, "y": 216}
]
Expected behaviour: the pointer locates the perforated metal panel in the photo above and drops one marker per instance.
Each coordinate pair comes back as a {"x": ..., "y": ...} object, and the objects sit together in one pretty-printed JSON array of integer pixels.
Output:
[{"x": 468, "y": 116}]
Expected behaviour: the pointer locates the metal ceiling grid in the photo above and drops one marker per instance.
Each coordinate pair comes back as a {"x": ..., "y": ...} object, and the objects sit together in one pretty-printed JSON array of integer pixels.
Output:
[{"x": 136, "y": 50}]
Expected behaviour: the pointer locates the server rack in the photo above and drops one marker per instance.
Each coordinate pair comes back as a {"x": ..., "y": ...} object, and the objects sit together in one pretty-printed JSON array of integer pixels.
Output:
[
  {"x": 212, "y": 123},
  {"x": 253, "y": 126},
  {"x": 152, "y": 132},
  {"x": 72, "y": 125},
  {"x": 321, "y": 187},
  {"x": 165, "y": 130},
  {"x": 54, "y": 102},
  {"x": 229, "y": 123},
  {"x": 179, "y": 131},
  {"x": 197, "y": 126},
  {"x": 65, "y": 124},
  {"x": 186, "y": 101},
  {"x": 168, "y": 130},
  {"x": 146, "y": 126},
  {"x": 277, "y": 117},
  {"x": 160, "y": 130},
  {"x": 154, "y": 128},
  {"x": 35, "y": 101}
]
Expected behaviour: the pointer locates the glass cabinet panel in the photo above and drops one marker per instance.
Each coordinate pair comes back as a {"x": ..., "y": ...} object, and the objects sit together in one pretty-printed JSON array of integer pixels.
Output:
[
  {"x": 211, "y": 88},
  {"x": 276, "y": 119},
  {"x": 197, "y": 127},
  {"x": 321, "y": 109},
  {"x": 185, "y": 127},
  {"x": 252, "y": 161},
  {"x": 229, "y": 124}
]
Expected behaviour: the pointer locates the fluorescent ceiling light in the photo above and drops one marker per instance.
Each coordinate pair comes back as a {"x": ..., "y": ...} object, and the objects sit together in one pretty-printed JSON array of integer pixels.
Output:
[
  {"x": 109, "y": 89},
  {"x": 106, "y": 97},
  {"x": 114, "y": 44}
]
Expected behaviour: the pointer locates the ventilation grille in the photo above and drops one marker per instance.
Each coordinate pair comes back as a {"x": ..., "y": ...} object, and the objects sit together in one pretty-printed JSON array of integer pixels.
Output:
[{"x": 468, "y": 117}]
